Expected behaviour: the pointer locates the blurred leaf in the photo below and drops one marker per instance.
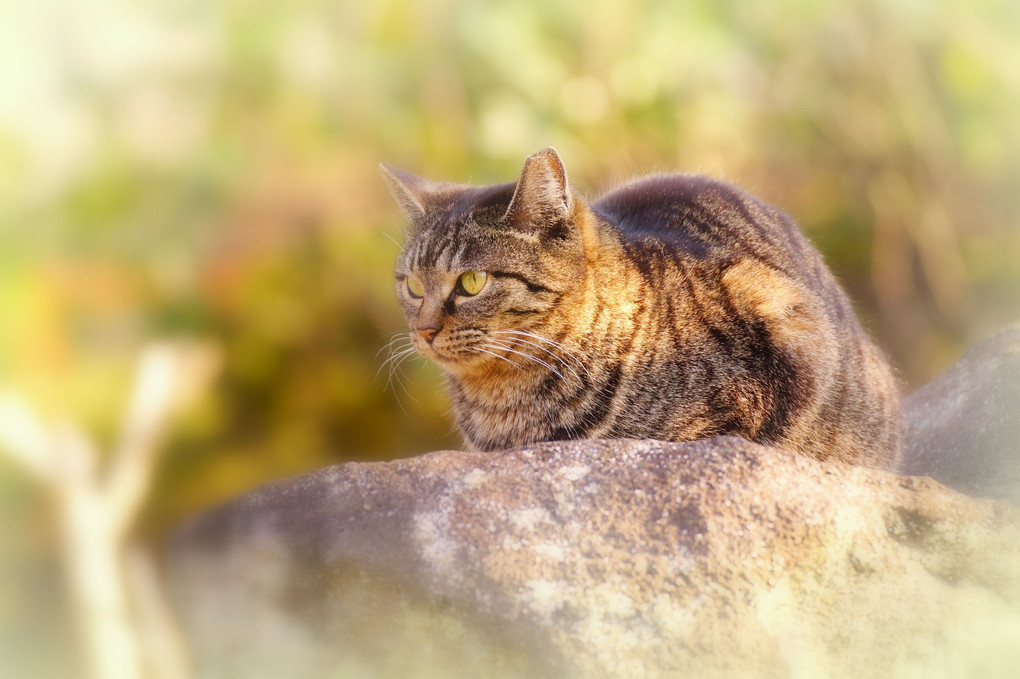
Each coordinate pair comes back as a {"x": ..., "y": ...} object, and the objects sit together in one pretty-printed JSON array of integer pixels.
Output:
[{"x": 209, "y": 169}]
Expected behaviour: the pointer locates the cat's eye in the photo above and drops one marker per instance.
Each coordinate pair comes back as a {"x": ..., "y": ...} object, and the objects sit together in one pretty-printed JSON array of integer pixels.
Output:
[
  {"x": 472, "y": 282},
  {"x": 415, "y": 288}
]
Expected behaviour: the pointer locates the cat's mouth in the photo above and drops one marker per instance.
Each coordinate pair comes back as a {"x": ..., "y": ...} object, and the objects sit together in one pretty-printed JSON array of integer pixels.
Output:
[
  {"x": 514, "y": 350},
  {"x": 447, "y": 354},
  {"x": 460, "y": 356}
]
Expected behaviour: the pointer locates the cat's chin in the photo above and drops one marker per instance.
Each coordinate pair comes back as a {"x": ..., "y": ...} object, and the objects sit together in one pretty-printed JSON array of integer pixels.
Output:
[
  {"x": 457, "y": 362},
  {"x": 451, "y": 361}
]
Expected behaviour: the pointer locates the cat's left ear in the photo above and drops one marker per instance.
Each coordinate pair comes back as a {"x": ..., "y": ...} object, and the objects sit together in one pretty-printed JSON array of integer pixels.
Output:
[
  {"x": 412, "y": 192},
  {"x": 542, "y": 195}
]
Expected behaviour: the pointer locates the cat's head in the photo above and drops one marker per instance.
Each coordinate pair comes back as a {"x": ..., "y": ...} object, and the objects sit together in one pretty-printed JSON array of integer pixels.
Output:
[{"x": 480, "y": 264}]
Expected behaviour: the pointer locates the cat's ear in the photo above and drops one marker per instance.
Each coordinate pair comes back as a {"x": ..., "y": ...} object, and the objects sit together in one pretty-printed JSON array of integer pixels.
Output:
[
  {"x": 412, "y": 192},
  {"x": 542, "y": 194}
]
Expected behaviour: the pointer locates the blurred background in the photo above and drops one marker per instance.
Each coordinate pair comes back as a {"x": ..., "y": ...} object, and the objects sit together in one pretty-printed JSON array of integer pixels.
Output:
[{"x": 206, "y": 171}]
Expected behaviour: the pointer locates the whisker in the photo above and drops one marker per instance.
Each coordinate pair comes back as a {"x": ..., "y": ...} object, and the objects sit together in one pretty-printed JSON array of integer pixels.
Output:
[
  {"x": 392, "y": 240},
  {"x": 559, "y": 358},
  {"x": 502, "y": 358},
  {"x": 541, "y": 338},
  {"x": 396, "y": 376},
  {"x": 396, "y": 356},
  {"x": 399, "y": 370},
  {"x": 495, "y": 345},
  {"x": 393, "y": 338},
  {"x": 567, "y": 351},
  {"x": 399, "y": 351},
  {"x": 398, "y": 359}
]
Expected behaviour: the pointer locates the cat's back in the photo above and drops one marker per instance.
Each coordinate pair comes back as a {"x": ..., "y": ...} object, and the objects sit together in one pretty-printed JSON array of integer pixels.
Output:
[
  {"x": 748, "y": 273},
  {"x": 703, "y": 216}
]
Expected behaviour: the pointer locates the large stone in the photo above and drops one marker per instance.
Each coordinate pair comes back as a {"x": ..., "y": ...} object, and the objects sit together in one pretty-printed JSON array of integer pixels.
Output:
[
  {"x": 612, "y": 558},
  {"x": 963, "y": 428}
]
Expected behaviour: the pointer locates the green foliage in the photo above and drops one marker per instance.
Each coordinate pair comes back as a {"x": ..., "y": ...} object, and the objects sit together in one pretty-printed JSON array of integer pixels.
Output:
[{"x": 209, "y": 169}]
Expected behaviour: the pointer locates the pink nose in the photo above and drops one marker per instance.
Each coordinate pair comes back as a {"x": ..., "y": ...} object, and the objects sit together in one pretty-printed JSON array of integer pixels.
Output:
[{"x": 428, "y": 334}]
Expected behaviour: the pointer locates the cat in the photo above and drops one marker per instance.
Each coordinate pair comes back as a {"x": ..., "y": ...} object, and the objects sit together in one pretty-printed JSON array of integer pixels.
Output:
[{"x": 675, "y": 307}]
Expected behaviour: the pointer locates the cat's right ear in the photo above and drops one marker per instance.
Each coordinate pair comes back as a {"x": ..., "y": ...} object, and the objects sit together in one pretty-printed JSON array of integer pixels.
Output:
[
  {"x": 542, "y": 194},
  {"x": 413, "y": 193}
]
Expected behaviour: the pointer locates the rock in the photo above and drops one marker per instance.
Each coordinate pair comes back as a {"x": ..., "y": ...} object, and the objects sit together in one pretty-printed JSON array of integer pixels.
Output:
[
  {"x": 963, "y": 428},
  {"x": 609, "y": 559}
]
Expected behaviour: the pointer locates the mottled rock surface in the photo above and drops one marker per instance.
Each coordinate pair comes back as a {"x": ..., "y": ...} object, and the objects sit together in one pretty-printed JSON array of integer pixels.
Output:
[{"x": 612, "y": 558}]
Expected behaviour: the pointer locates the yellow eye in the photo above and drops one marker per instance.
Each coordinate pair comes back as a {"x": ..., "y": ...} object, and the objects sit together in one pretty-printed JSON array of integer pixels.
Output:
[
  {"x": 415, "y": 288},
  {"x": 472, "y": 282}
]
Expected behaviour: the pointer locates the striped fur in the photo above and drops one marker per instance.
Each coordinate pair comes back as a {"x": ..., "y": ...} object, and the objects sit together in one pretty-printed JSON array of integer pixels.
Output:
[{"x": 676, "y": 307}]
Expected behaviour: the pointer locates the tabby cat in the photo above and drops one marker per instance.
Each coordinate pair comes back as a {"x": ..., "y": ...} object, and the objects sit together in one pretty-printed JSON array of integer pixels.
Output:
[{"x": 676, "y": 307}]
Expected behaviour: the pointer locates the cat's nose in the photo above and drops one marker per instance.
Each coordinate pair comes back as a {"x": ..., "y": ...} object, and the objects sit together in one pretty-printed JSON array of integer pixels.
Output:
[{"x": 428, "y": 334}]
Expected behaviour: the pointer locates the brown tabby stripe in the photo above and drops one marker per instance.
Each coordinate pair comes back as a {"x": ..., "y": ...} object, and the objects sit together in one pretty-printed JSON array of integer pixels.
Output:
[{"x": 528, "y": 283}]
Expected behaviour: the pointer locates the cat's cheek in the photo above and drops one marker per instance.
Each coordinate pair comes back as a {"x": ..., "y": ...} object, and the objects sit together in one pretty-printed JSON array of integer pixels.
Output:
[
  {"x": 410, "y": 308},
  {"x": 483, "y": 305}
]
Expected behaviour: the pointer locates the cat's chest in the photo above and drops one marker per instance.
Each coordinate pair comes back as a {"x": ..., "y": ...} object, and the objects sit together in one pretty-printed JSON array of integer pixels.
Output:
[
  {"x": 505, "y": 415},
  {"x": 531, "y": 399}
]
